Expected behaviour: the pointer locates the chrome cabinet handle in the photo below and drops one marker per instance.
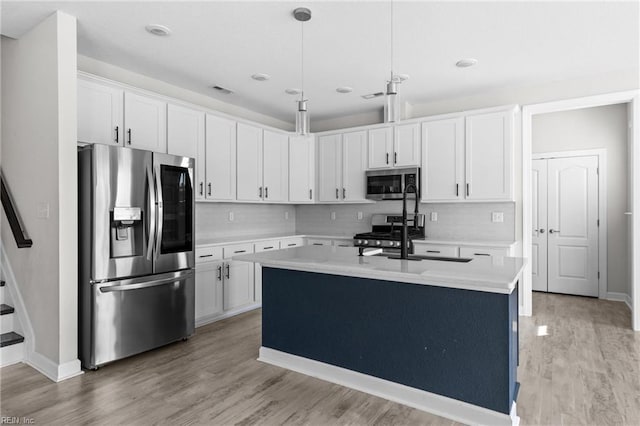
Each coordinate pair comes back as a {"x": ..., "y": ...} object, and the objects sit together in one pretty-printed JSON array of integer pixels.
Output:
[
  {"x": 239, "y": 251},
  {"x": 311, "y": 194},
  {"x": 129, "y": 136},
  {"x": 467, "y": 190},
  {"x": 268, "y": 248},
  {"x": 219, "y": 273},
  {"x": 117, "y": 135},
  {"x": 433, "y": 251},
  {"x": 337, "y": 193},
  {"x": 395, "y": 158},
  {"x": 344, "y": 193},
  {"x": 266, "y": 192},
  {"x": 228, "y": 273},
  {"x": 553, "y": 231},
  {"x": 260, "y": 192},
  {"x": 387, "y": 158},
  {"x": 481, "y": 254},
  {"x": 201, "y": 188},
  {"x": 457, "y": 193},
  {"x": 209, "y": 188},
  {"x": 205, "y": 255}
]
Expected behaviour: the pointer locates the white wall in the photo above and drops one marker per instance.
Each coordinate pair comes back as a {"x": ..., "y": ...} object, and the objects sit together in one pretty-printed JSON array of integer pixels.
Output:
[
  {"x": 122, "y": 75},
  {"x": 212, "y": 220},
  {"x": 39, "y": 163},
  {"x": 591, "y": 128},
  {"x": 464, "y": 221}
]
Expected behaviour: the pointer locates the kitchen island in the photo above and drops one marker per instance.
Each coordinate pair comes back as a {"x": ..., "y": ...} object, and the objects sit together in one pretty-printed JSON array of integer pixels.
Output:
[{"x": 436, "y": 335}]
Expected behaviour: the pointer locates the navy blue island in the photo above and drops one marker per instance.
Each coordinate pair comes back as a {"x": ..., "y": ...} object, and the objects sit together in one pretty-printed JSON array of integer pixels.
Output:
[{"x": 435, "y": 335}]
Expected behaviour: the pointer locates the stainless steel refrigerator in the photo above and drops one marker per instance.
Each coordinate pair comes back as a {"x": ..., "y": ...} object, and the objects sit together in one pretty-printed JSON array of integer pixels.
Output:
[{"x": 136, "y": 251}]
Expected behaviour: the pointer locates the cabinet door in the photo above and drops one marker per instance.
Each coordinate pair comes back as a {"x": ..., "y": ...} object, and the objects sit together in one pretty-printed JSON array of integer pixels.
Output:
[
  {"x": 275, "y": 163},
  {"x": 329, "y": 167},
  {"x": 208, "y": 290},
  {"x": 99, "y": 113},
  {"x": 318, "y": 242},
  {"x": 483, "y": 251},
  {"x": 185, "y": 137},
  {"x": 354, "y": 164},
  {"x": 238, "y": 284},
  {"x": 302, "y": 174},
  {"x": 443, "y": 160},
  {"x": 145, "y": 121},
  {"x": 489, "y": 162},
  {"x": 406, "y": 145},
  {"x": 436, "y": 250},
  {"x": 249, "y": 162},
  {"x": 221, "y": 158},
  {"x": 380, "y": 146}
]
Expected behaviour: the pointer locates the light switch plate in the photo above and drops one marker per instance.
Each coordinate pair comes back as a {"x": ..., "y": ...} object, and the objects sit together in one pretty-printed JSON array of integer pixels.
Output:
[
  {"x": 286, "y": 215},
  {"x": 231, "y": 217},
  {"x": 43, "y": 211},
  {"x": 497, "y": 217},
  {"x": 434, "y": 216},
  {"x": 360, "y": 215},
  {"x": 333, "y": 215}
]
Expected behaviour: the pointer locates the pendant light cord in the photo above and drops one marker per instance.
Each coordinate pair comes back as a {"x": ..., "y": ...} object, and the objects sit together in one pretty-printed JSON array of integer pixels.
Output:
[
  {"x": 391, "y": 50},
  {"x": 302, "y": 60}
]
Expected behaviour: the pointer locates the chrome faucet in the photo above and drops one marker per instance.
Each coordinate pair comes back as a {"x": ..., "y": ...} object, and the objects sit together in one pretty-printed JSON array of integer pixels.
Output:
[{"x": 404, "y": 235}]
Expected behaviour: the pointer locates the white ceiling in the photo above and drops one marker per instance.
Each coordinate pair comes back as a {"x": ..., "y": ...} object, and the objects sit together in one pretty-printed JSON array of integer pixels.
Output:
[{"x": 348, "y": 44}]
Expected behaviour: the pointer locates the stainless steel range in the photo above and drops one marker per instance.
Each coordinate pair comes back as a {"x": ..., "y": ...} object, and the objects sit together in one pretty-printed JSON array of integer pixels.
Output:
[{"x": 386, "y": 230}]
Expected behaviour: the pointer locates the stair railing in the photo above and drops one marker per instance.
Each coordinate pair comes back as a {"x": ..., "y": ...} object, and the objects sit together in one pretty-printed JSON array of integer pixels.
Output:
[{"x": 15, "y": 222}]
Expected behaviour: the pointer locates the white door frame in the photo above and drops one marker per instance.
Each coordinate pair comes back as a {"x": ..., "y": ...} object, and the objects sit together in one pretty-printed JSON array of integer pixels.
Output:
[
  {"x": 602, "y": 205},
  {"x": 632, "y": 98}
]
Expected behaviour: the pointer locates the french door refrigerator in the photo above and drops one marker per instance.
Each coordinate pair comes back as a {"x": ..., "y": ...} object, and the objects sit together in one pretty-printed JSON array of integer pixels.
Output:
[{"x": 136, "y": 251}]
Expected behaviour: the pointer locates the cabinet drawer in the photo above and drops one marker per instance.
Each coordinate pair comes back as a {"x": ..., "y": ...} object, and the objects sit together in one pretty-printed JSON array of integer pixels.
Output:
[
  {"x": 318, "y": 242},
  {"x": 208, "y": 254},
  {"x": 267, "y": 245},
  {"x": 343, "y": 243},
  {"x": 291, "y": 242},
  {"x": 436, "y": 250},
  {"x": 483, "y": 251},
  {"x": 236, "y": 249}
]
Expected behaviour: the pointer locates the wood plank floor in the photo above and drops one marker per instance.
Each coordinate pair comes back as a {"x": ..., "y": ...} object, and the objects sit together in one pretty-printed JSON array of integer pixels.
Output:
[{"x": 583, "y": 368}]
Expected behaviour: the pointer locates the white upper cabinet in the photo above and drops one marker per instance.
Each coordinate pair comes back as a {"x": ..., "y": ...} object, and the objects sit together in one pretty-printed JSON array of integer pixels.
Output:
[
  {"x": 397, "y": 146},
  {"x": 468, "y": 157},
  {"x": 406, "y": 145},
  {"x": 342, "y": 161},
  {"x": 99, "y": 113},
  {"x": 380, "y": 148},
  {"x": 185, "y": 137},
  {"x": 302, "y": 173},
  {"x": 249, "y": 149},
  {"x": 329, "y": 167},
  {"x": 220, "y": 159},
  {"x": 489, "y": 156},
  {"x": 145, "y": 121},
  {"x": 443, "y": 160},
  {"x": 354, "y": 164},
  {"x": 275, "y": 168}
]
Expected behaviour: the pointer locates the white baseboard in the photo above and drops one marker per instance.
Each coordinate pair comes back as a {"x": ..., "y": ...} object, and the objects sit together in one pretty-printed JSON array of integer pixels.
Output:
[
  {"x": 426, "y": 401},
  {"x": 54, "y": 371},
  {"x": 620, "y": 297}
]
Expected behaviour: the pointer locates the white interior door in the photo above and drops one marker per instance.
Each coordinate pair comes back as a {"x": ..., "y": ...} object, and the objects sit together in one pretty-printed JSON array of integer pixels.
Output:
[
  {"x": 573, "y": 225},
  {"x": 539, "y": 225}
]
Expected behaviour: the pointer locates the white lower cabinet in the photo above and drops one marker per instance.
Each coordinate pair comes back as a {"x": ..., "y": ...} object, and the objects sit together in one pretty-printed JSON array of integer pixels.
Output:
[
  {"x": 483, "y": 251},
  {"x": 448, "y": 250},
  {"x": 291, "y": 242},
  {"x": 238, "y": 284},
  {"x": 318, "y": 242},
  {"x": 436, "y": 250},
  {"x": 208, "y": 290}
]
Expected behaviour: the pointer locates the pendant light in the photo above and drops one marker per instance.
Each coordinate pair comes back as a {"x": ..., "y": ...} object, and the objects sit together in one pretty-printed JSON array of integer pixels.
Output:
[
  {"x": 392, "y": 102},
  {"x": 302, "y": 14}
]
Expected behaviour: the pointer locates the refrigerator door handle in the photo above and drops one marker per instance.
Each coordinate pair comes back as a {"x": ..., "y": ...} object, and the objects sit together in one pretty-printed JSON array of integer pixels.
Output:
[
  {"x": 159, "y": 212},
  {"x": 151, "y": 213},
  {"x": 146, "y": 284}
]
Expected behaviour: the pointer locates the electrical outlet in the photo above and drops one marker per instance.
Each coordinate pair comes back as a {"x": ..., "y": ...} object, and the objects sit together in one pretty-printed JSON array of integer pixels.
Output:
[
  {"x": 231, "y": 217},
  {"x": 497, "y": 217},
  {"x": 43, "y": 211},
  {"x": 286, "y": 215},
  {"x": 434, "y": 216},
  {"x": 360, "y": 215},
  {"x": 333, "y": 215}
]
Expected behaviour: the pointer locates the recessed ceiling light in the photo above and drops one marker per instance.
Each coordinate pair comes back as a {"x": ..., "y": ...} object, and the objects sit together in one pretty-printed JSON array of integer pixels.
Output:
[
  {"x": 373, "y": 95},
  {"x": 261, "y": 77},
  {"x": 222, "y": 90},
  {"x": 159, "y": 30},
  {"x": 292, "y": 91},
  {"x": 344, "y": 89},
  {"x": 466, "y": 62}
]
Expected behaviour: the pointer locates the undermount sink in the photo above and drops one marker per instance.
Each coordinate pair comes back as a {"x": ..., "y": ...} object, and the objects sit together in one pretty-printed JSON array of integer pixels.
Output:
[{"x": 425, "y": 257}]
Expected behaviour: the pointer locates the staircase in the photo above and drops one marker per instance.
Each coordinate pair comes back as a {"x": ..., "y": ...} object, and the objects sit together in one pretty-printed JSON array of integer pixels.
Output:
[{"x": 11, "y": 343}]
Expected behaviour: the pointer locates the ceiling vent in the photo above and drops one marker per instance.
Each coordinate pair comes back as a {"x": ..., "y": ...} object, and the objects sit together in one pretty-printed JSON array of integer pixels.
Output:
[
  {"x": 223, "y": 90},
  {"x": 373, "y": 95}
]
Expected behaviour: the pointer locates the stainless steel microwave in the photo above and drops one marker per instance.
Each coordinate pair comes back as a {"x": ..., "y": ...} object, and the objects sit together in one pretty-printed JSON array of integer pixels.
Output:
[{"x": 389, "y": 184}]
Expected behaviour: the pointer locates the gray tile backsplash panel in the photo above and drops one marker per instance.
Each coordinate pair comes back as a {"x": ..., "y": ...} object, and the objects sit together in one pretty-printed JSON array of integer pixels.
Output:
[
  {"x": 212, "y": 220},
  {"x": 468, "y": 221}
]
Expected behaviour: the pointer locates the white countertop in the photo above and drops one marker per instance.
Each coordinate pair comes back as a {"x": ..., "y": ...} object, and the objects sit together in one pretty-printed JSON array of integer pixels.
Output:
[{"x": 495, "y": 274}]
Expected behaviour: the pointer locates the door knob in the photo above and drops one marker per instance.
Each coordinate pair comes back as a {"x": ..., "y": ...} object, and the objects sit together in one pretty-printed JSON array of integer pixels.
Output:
[
  {"x": 541, "y": 231},
  {"x": 552, "y": 231}
]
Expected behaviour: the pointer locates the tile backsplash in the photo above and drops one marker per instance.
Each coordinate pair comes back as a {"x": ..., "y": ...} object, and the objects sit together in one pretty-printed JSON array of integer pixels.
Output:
[{"x": 462, "y": 221}]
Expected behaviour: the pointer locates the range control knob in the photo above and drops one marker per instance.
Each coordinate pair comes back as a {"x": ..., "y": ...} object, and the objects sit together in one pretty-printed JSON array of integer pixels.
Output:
[
  {"x": 378, "y": 243},
  {"x": 397, "y": 243},
  {"x": 359, "y": 242},
  {"x": 365, "y": 242},
  {"x": 390, "y": 243}
]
